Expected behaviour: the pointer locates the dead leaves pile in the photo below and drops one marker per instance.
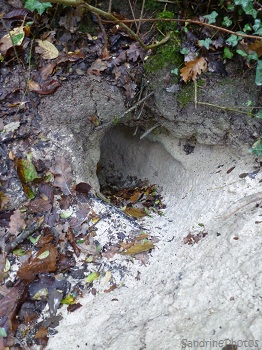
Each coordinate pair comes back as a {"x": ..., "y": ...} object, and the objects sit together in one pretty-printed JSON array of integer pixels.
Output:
[
  {"x": 61, "y": 52},
  {"x": 136, "y": 201},
  {"x": 53, "y": 235}
]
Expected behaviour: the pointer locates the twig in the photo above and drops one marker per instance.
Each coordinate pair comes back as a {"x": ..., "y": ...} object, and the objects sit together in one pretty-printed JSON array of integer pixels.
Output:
[
  {"x": 195, "y": 86},
  {"x": 147, "y": 132},
  {"x": 110, "y": 6},
  {"x": 23, "y": 235},
  {"x": 132, "y": 11},
  {"x": 140, "y": 17},
  {"x": 105, "y": 51},
  {"x": 136, "y": 105},
  {"x": 112, "y": 19},
  {"x": 227, "y": 108},
  {"x": 221, "y": 29}
]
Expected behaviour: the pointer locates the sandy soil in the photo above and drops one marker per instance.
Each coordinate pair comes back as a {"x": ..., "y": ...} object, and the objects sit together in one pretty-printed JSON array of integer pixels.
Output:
[{"x": 200, "y": 296}]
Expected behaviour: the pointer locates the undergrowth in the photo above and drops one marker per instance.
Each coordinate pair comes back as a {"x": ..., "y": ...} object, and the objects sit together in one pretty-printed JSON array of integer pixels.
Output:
[{"x": 232, "y": 29}]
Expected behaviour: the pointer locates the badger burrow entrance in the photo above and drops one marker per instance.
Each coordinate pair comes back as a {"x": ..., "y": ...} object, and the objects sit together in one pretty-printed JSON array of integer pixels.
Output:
[{"x": 126, "y": 161}]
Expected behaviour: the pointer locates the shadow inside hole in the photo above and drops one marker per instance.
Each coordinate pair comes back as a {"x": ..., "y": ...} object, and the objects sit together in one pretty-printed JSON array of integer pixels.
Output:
[{"x": 125, "y": 159}]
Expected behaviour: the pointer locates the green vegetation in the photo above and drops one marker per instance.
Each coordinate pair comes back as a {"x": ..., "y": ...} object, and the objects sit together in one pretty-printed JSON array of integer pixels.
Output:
[
  {"x": 186, "y": 95},
  {"x": 233, "y": 27},
  {"x": 167, "y": 55}
]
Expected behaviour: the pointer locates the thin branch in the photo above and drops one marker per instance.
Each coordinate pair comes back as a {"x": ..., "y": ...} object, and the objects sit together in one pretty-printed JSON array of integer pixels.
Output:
[
  {"x": 23, "y": 235},
  {"x": 221, "y": 29},
  {"x": 231, "y": 109},
  {"x": 133, "y": 14},
  {"x": 113, "y": 19},
  {"x": 105, "y": 51},
  {"x": 136, "y": 105},
  {"x": 140, "y": 17}
]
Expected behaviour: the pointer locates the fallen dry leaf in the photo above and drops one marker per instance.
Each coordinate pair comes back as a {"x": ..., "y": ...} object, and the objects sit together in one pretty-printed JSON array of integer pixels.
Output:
[
  {"x": 3, "y": 200},
  {"x": 139, "y": 248},
  {"x": 8, "y": 307},
  {"x": 256, "y": 46},
  {"x": 14, "y": 38},
  {"x": 62, "y": 173},
  {"x": 39, "y": 206},
  {"x": 47, "y": 50},
  {"x": 35, "y": 265},
  {"x": 193, "y": 68},
  {"x": 16, "y": 222},
  {"x": 97, "y": 67},
  {"x": 135, "y": 213},
  {"x": 193, "y": 238}
]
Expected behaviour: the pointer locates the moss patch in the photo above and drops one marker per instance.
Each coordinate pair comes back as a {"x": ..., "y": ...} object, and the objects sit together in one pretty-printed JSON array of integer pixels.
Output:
[
  {"x": 167, "y": 55},
  {"x": 186, "y": 94}
]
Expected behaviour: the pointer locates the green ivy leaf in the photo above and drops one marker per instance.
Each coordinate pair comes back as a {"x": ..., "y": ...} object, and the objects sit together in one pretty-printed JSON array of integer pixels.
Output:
[
  {"x": 247, "y": 28},
  {"x": 3, "y": 332},
  {"x": 233, "y": 40},
  {"x": 226, "y": 22},
  {"x": 40, "y": 7},
  {"x": 175, "y": 71},
  {"x": 247, "y": 6},
  {"x": 185, "y": 51},
  {"x": 206, "y": 43},
  {"x": 257, "y": 24},
  {"x": 258, "y": 32},
  {"x": 241, "y": 53},
  {"x": 259, "y": 73},
  {"x": 212, "y": 17},
  {"x": 228, "y": 53},
  {"x": 259, "y": 115},
  {"x": 257, "y": 147},
  {"x": 252, "y": 57}
]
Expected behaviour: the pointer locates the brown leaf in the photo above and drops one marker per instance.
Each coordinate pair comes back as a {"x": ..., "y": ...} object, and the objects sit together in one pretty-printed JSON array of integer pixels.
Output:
[
  {"x": 15, "y": 37},
  {"x": 46, "y": 192},
  {"x": 9, "y": 305},
  {"x": 135, "y": 52},
  {"x": 74, "y": 307},
  {"x": 97, "y": 67},
  {"x": 41, "y": 336},
  {"x": 2, "y": 268},
  {"x": 36, "y": 264},
  {"x": 256, "y": 46},
  {"x": 62, "y": 172},
  {"x": 39, "y": 206},
  {"x": 139, "y": 248},
  {"x": 18, "y": 14},
  {"x": 83, "y": 187},
  {"x": 135, "y": 213},
  {"x": 72, "y": 241},
  {"x": 47, "y": 70},
  {"x": 47, "y": 50},
  {"x": 193, "y": 238},
  {"x": 3, "y": 200},
  {"x": 46, "y": 88},
  {"x": 16, "y": 222},
  {"x": 193, "y": 68}
]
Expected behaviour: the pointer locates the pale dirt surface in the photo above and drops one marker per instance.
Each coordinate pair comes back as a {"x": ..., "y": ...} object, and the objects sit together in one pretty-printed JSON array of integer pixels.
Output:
[{"x": 209, "y": 291}]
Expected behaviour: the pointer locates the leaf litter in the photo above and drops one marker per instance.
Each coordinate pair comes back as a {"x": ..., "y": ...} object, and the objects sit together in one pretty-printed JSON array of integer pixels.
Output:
[{"x": 54, "y": 260}]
